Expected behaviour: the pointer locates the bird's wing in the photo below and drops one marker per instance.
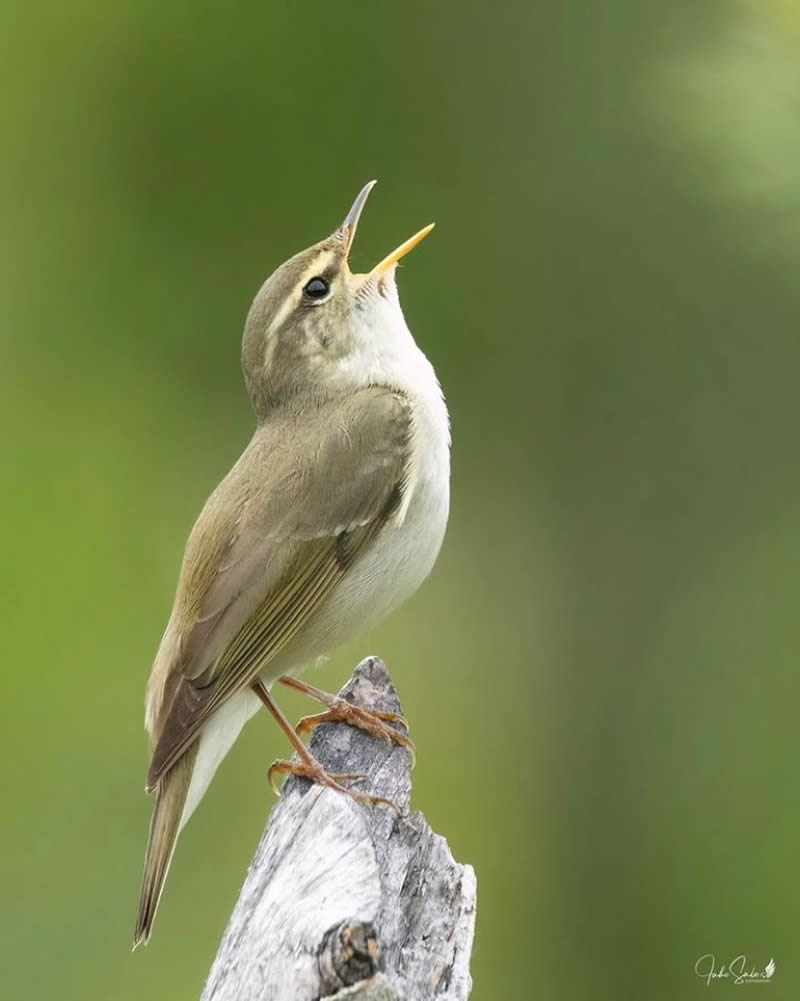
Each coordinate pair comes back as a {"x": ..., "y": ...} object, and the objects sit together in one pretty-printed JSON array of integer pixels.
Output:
[{"x": 272, "y": 542}]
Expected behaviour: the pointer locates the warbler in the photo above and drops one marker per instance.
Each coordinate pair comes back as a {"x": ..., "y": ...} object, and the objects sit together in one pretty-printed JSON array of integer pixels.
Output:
[{"x": 332, "y": 516}]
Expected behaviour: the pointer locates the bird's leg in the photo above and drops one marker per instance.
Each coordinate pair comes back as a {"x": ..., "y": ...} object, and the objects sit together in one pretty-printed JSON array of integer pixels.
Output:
[
  {"x": 308, "y": 767},
  {"x": 371, "y": 721}
]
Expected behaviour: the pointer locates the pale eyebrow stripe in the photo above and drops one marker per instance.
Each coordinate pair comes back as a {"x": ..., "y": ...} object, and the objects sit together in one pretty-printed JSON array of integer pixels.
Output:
[{"x": 316, "y": 267}]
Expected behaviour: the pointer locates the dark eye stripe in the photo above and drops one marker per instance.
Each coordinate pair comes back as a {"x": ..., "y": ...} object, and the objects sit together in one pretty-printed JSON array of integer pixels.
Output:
[{"x": 317, "y": 288}]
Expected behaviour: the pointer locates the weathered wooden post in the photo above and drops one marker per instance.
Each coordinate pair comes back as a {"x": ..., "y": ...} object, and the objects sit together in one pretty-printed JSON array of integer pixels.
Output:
[{"x": 345, "y": 901}]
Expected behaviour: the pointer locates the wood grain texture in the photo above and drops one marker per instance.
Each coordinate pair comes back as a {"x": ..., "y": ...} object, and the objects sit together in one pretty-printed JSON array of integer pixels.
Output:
[{"x": 346, "y": 901}]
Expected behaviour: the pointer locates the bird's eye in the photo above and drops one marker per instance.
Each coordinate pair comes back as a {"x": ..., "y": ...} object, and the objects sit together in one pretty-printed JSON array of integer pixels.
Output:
[{"x": 317, "y": 288}]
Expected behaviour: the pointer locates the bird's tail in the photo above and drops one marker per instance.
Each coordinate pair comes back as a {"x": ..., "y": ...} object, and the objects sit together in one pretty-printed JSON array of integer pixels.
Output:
[{"x": 165, "y": 826}]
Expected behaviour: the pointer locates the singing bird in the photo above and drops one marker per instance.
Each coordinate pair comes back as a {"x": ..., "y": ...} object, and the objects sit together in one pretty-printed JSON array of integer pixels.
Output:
[{"x": 333, "y": 515}]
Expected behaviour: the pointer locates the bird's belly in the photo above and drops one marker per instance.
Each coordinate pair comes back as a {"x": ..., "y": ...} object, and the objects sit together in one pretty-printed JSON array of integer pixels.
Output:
[
  {"x": 393, "y": 569},
  {"x": 388, "y": 573}
]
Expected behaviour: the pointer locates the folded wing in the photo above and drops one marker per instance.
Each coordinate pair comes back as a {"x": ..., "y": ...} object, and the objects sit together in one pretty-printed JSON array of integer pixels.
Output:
[{"x": 305, "y": 499}]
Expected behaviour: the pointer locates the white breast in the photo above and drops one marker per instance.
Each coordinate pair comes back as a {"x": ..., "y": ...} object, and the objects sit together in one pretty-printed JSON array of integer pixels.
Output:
[{"x": 406, "y": 549}]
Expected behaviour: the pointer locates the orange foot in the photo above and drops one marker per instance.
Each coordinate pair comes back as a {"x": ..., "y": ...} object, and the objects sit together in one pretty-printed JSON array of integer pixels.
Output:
[
  {"x": 312, "y": 770},
  {"x": 371, "y": 721}
]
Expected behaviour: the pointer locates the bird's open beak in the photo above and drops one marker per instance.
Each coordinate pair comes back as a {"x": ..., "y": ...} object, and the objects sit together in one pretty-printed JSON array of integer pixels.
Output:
[
  {"x": 350, "y": 225},
  {"x": 389, "y": 262}
]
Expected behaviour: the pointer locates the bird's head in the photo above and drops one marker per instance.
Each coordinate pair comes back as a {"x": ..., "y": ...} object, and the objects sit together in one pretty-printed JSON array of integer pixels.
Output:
[{"x": 313, "y": 320}]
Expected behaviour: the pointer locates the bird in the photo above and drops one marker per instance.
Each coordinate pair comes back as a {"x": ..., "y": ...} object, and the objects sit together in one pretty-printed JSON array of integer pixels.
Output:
[{"x": 332, "y": 516}]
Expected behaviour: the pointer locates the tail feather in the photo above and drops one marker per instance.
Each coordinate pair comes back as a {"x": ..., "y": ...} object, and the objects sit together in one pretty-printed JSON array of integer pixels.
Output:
[{"x": 165, "y": 826}]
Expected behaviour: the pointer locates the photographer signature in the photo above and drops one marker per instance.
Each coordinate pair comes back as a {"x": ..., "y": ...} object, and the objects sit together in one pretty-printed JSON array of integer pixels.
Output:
[{"x": 706, "y": 968}]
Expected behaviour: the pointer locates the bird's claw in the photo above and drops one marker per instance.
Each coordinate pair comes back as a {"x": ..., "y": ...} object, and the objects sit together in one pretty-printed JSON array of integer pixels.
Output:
[
  {"x": 316, "y": 774},
  {"x": 371, "y": 721}
]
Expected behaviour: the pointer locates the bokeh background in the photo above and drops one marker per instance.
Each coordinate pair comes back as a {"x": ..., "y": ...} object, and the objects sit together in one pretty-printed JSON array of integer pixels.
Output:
[{"x": 601, "y": 673}]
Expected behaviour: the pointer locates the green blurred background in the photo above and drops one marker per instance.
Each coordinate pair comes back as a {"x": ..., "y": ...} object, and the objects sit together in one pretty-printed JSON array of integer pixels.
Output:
[{"x": 601, "y": 673}]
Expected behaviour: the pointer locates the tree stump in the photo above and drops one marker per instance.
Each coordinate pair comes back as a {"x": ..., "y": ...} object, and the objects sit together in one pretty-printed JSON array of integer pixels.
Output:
[{"x": 346, "y": 901}]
